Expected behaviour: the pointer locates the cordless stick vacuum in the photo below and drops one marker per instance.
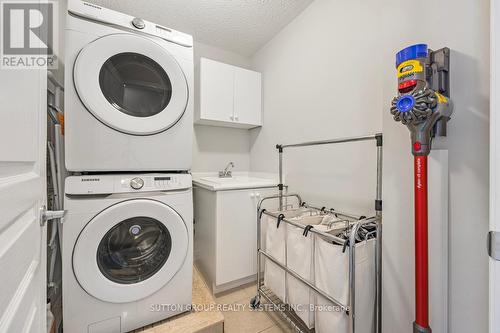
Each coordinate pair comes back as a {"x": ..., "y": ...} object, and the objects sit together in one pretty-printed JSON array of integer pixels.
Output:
[{"x": 423, "y": 105}]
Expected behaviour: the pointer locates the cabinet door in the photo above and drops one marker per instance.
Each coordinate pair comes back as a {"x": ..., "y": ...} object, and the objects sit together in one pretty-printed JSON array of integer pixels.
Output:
[
  {"x": 216, "y": 90},
  {"x": 247, "y": 97},
  {"x": 237, "y": 234}
]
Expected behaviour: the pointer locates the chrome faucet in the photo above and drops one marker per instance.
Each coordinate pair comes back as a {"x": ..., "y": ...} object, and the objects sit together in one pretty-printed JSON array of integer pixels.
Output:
[{"x": 226, "y": 173}]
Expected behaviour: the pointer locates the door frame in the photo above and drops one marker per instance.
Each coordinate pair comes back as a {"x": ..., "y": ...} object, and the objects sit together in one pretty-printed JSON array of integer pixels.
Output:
[{"x": 494, "y": 221}]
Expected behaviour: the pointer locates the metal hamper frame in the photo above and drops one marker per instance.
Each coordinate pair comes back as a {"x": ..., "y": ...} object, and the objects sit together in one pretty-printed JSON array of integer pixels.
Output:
[{"x": 355, "y": 221}]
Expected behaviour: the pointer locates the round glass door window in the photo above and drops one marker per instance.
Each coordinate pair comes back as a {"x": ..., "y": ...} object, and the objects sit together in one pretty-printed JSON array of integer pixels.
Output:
[
  {"x": 135, "y": 84},
  {"x": 134, "y": 250}
]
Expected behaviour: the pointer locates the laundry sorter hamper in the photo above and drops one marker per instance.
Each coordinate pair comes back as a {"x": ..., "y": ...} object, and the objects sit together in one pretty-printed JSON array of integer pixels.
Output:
[{"x": 334, "y": 267}]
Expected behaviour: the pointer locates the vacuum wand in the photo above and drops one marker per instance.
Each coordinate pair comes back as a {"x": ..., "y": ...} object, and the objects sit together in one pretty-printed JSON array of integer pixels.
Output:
[
  {"x": 421, "y": 243},
  {"x": 423, "y": 106}
]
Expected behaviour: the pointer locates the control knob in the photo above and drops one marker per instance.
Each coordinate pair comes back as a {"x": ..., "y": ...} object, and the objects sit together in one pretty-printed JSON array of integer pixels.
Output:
[
  {"x": 138, "y": 23},
  {"x": 136, "y": 183}
]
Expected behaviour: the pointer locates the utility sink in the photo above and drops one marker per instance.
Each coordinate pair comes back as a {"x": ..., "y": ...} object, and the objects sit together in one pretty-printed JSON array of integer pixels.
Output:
[
  {"x": 215, "y": 183},
  {"x": 233, "y": 179}
]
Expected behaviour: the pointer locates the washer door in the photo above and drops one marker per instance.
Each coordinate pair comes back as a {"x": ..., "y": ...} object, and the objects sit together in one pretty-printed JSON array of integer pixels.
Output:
[
  {"x": 130, "y": 250},
  {"x": 131, "y": 84}
]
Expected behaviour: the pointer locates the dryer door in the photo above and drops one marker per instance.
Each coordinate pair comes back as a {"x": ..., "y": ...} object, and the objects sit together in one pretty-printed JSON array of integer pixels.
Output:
[
  {"x": 131, "y": 84},
  {"x": 130, "y": 250}
]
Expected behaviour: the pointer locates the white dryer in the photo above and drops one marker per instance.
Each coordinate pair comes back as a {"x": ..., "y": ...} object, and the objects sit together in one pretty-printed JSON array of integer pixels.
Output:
[
  {"x": 128, "y": 93},
  {"x": 127, "y": 251}
]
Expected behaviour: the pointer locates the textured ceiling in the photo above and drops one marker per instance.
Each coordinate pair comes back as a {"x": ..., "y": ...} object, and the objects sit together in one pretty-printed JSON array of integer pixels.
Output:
[{"x": 242, "y": 26}]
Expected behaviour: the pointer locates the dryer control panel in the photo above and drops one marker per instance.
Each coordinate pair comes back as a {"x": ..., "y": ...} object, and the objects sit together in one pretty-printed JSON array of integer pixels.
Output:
[
  {"x": 126, "y": 183},
  {"x": 100, "y": 14}
]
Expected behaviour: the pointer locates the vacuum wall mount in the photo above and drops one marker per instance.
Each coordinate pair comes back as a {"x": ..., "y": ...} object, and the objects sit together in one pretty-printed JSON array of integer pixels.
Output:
[{"x": 423, "y": 105}]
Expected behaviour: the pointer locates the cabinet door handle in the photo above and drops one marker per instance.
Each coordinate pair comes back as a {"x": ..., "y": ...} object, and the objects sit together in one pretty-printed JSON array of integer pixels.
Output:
[
  {"x": 236, "y": 118},
  {"x": 231, "y": 117},
  {"x": 252, "y": 195}
]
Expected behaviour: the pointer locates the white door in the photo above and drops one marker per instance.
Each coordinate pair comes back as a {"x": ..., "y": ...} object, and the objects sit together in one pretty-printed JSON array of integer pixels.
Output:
[
  {"x": 131, "y": 84},
  {"x": 247, "y": 97},
  {"x": 216, "y": 90},
  {"x": 140, "y": 245},
  {"x": 494, "y": 314},
  {"x": 22, "y": 191}
]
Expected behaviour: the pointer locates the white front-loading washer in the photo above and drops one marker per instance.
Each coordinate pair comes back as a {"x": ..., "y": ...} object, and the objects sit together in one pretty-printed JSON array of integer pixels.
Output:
[
  {"x": 127, "y": 250},
  {"x": 128, "y": 93}
]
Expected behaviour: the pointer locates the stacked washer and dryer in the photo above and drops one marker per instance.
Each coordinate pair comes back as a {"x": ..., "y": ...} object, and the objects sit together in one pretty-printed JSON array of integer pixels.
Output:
[{"x": 127, "y": 241}]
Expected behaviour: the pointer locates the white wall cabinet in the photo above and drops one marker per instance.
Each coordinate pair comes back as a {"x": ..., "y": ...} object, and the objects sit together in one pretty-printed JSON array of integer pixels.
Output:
[
  {"x": 228, "y": 96},
  {"x": 226, "y": 235}
]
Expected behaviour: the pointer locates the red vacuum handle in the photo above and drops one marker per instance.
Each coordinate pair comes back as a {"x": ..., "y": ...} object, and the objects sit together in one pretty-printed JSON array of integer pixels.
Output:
[{"x": 421, "y": 244}]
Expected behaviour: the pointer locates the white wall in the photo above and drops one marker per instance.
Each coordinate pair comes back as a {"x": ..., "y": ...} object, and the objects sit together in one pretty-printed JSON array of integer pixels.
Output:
[
  {"x": 214, "y": 147},
  {"x": 330, "y": 73},
  {"x": 318, "y": 83}
]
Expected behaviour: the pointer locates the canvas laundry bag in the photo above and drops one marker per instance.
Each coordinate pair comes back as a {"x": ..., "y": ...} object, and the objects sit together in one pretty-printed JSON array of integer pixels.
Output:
[
  {"x": 275, "y": 245},
  {"x": 300, "y": 259},
  {"x": 332, "y": 276}
]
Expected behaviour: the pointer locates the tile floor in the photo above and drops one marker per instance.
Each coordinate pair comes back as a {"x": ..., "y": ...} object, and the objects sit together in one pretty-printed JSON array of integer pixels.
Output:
[
  {"x": 194, "y": 321},
  {"x": 239, "y": 318},
  {"x": 235, "y": 316}
]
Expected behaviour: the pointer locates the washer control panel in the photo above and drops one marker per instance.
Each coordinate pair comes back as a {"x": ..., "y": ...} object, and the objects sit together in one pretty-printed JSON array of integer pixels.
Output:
[
  {"x": 153, "y": 182},
  {"x": 108, "y": 184}
]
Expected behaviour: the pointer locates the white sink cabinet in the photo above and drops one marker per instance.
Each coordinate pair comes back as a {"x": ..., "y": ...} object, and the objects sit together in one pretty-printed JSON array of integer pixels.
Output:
[{"x": 226, "y": 234}]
